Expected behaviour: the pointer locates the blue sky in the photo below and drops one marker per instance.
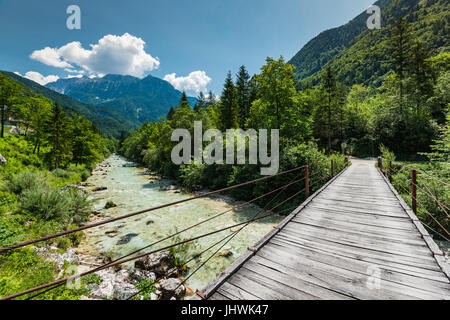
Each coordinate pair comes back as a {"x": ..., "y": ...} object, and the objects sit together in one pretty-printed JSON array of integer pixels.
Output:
[{"x": 191, "y": 43}]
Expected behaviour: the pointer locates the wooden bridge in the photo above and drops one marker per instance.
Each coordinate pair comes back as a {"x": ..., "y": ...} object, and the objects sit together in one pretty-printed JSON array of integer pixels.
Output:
[{"x": 355, "y": 238}]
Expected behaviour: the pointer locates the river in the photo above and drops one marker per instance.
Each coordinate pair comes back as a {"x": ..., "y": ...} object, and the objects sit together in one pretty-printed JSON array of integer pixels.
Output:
[{"x": 131, "y": 189}]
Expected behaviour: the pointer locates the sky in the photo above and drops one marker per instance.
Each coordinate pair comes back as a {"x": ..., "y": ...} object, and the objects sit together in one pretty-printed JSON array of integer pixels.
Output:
[{"x": 190, "y": 43}]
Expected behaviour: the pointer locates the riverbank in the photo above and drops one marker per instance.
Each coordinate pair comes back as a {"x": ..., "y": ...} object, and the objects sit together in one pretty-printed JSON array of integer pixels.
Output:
[{"x": 124, "y": 187}]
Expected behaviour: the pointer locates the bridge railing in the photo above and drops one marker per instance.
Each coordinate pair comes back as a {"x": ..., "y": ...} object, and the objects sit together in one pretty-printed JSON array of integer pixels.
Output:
[
  {"x": 427, "y": 195},
  {"x": 303, "y": 174}
]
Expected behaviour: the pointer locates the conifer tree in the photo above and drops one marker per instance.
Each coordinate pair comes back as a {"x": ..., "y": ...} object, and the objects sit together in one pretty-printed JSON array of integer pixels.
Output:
[
  {"x": 228, "y": 104},
  {"x": 243, "y": 97}
]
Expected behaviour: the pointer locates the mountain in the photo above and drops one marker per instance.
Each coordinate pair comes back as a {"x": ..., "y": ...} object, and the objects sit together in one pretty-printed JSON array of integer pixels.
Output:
[
  {"x": 108, "y": 121},
  {"x": 358, "y": 54},
  {"x": 137, "y": 100}
]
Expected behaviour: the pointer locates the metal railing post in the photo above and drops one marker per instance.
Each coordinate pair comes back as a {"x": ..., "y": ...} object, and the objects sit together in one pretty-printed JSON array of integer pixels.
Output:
[
  {"x": 332, "y": 168},
  {"x": 414, "y": 190},
  {"x": 307, "y": 181}
]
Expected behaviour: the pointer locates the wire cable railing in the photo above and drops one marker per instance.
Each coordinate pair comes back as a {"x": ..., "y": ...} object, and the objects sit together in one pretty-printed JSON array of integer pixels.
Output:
[{"x": 44, "y": 288}]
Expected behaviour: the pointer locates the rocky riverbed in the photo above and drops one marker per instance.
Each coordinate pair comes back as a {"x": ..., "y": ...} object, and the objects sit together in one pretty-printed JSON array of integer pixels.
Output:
[{"x": 118, "y": 187}]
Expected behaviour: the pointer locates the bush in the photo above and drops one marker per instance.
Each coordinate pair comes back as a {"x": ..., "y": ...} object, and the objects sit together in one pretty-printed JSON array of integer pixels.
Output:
[
  {"x": 60, "y": 173},
  {"x": 27, "y": 180},
  {"x": 48, "y": 204}
]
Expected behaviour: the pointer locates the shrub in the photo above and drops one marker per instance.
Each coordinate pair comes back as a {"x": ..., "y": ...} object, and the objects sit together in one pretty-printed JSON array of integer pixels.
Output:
[
  {"x": 51, "y": 204},
  {"x": 60, "y": 173},
  {"x": 27, "y": 180}
]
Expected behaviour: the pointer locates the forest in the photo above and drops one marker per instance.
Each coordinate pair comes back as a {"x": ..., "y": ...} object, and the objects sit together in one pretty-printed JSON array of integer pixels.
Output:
[
  {"x": 46, "y": 153},
  {"x": 406, "y": 118}
]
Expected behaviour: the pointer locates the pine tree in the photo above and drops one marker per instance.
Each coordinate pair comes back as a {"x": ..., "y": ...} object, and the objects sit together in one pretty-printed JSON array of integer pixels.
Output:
[
  {"x": 400, "y": 44},
  {"x": 58, "y": 137},
  {"x": 184, "y": 103},
  {"x": 170, "y": 113},
  {"x": 201, "y": 102},
  {"x": 243, "y": 97},
  {"x": 329, "y": 88},
  {"x": 421, "y": 75},
  {"x": 211, "y": 99},
  {"x": 5, "y": 94},
  {"x": 228, "y": 104}
]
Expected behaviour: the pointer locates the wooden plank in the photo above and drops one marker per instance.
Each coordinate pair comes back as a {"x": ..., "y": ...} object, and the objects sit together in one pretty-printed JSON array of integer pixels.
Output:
[
  {"x": 344, "y": 209},
  {"x": 371, "y": 232},
  {"x": 375, "y": 231},
  {"x": 293, "y": 279},
  {"x": 359, "y": 206},
  {"x": 344, "y": 238},
  {"x": 272, "y": 251},
  {"x": 287, "y": 291},
  {"x": 358, "y": 252},
  {"x": 218, "y": 296},
  {"x": 350, "y": 283},
  {"x": 256, "y": 288},
  {"x": 235, "y": 293},
  {"x": 395, "y": 224},
  {"x": 388, "y": 262}
]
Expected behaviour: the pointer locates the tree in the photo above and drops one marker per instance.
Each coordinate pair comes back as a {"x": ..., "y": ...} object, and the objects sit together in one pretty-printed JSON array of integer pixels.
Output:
[
  {"x": 228, "y": 104},
  {"x": 170, "y": 113},
  {"x": 58, "y": 136},
  {"x": 40, "y": 110},
  {"x": 201, "y": 102},
  {"x": 421, "y": 86},
  {"x": 184, "y": 103},
  {"x": 85, "y": 142},
  {"x": 329, "y": 89},
  {"x": 5, "y": 95},
  {"x": 243, "y": 97},
  {"x": 400, "y": 45},
  {"x": 276, "y": 90}
]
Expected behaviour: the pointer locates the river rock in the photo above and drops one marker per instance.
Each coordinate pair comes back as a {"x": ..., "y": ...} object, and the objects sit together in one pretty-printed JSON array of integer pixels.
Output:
[
  {"x": 126, "y": 238},
  {"x": 100, "y": 189},
  {"x": 110, "y": 205},
  {"x": 111, "y": 233},
  {"x": 123, "y": 291},
  {"x": 137, "y": 275},
  {"x": 172, "y": 288},
  {"x": 225, "y": 253},
  {"x": 157, "y": 262},
  {"x": 52, "y": 254}
]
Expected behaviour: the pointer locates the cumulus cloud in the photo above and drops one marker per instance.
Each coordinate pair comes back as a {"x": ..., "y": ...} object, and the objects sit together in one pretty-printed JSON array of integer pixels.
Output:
[
  {"x": 112, "y": 54},
  {"x": 195, "y": 82},
  {"x": 39, "y": 78}
]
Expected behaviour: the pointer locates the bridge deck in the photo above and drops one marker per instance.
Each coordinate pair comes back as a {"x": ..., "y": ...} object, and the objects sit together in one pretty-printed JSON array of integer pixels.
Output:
[{"x": 353, "y": 239}]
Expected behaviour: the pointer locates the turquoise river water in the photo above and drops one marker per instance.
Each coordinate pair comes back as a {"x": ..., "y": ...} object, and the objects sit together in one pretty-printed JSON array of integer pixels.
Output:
[{"x": 132, "y": 190}]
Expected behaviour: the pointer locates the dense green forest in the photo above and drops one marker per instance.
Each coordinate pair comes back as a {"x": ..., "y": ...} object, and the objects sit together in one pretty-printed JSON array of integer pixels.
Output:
[
  {"x": 108, "y": 121},
  {"x": 361, "y": 56},
  {"x": 405, "y": 115},
  {"x": 48, "y": 151}
]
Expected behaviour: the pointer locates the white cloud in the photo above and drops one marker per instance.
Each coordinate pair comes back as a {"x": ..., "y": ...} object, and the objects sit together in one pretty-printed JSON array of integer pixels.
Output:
[
  {"x": 39, "y": 78},
  {"x": 195, "y": 82},
  {"x": 112, "y": 54}
]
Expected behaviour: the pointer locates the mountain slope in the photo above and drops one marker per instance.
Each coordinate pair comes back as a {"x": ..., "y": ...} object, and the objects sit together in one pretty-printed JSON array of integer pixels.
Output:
[
  {"x": 107, "y": 120},
  {"x": 137, "y": 100},
  {"x": 358, "y": 54}
]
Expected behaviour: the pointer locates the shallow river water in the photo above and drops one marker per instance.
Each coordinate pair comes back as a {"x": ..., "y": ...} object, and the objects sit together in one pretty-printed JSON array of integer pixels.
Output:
[{"x": 132, "y": 190}]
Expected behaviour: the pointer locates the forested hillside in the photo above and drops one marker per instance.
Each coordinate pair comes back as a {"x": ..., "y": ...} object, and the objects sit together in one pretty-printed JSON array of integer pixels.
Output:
[
  {"x": 136, "y": 100},
  {"x": 359, "y": 55},
  {"x": 107, "y": 120},
  {"x": 46, "y": 154}
]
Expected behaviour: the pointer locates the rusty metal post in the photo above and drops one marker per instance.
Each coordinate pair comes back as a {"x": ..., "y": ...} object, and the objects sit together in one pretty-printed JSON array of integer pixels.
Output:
[
  {"x": 332, "y": 168},
  {"x": 306, "y": 181},
  {"x": 390, "y": 171},
  {"x": 414, "y": 190}
]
